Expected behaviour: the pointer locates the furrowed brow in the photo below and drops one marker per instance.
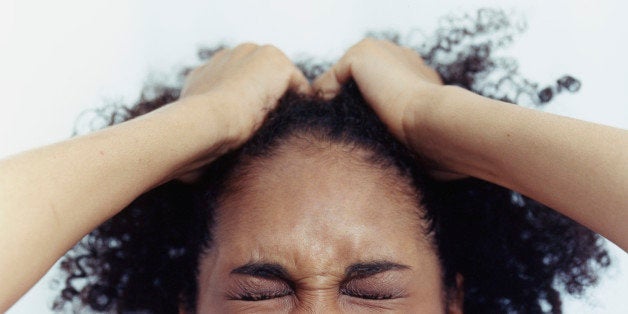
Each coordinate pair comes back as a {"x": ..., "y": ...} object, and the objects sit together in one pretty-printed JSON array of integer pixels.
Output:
[
  {"x": 368, "y": 269},
  {"x": 263, "y": 270}
]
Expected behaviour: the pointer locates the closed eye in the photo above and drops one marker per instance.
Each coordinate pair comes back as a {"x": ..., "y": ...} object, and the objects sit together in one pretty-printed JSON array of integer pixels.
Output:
[
  {"x": 368, "y": 295},
  {"x": 261, "y": 296},
  {"x": 260, "y": 282},
  {"x": 377, "y": 280}
]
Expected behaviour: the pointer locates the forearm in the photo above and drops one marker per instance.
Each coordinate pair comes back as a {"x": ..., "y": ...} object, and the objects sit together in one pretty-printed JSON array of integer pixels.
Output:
[
  {"x": 52, "y": 196},
  {"x": 575, "y": 167}
]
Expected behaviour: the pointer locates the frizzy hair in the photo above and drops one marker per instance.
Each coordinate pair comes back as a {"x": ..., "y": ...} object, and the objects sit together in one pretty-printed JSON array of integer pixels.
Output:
[{"x": 516, "y": 255}]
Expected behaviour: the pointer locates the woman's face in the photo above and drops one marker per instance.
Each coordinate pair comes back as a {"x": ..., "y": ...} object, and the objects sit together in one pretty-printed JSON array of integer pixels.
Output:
[{"x": 319, "y": 230}]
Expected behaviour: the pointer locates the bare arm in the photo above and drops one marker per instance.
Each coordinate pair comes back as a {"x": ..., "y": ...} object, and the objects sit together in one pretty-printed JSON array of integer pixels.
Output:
[
  {"x": 578, "y": 168},
  {"x": 52, "y": 196}
]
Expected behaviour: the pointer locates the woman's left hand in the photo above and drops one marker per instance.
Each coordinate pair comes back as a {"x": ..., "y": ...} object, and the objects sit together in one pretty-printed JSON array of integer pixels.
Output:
[{"x": 397, "y": 84}]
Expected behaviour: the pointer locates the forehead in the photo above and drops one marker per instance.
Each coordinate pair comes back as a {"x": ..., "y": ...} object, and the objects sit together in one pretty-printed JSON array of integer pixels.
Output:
[{"x": 323, "y": 203}]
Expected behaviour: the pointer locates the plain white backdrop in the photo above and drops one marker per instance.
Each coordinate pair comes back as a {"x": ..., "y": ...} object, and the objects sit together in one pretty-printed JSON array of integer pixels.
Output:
[{"x": 59, "y": 58}]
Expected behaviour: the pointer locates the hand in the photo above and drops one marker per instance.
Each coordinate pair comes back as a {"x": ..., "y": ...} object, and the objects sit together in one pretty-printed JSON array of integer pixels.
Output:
[
  {"x": 387, "y": 75},
  {"x": 251, "y": 78},
  {"x": 394, "y": 80},
  {"x": 254, "y": 77}
]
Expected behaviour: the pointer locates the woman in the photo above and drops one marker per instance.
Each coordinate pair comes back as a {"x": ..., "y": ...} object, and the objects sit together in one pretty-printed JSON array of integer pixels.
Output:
[{"x": 314, "y": 213}]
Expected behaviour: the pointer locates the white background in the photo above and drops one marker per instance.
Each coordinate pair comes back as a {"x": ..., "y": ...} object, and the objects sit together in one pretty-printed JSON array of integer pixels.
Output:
[{"x": 58, "y": 58}]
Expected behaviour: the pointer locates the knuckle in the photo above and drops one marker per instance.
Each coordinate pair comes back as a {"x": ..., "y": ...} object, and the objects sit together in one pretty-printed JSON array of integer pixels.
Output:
[
  {"x": 246, "y": 46},
  {"x": 366, "y": 45},
  {"x": 220, "y": 52},
  {"x": 195, "y": 71},
  {"x": 268, "y": 47},
  {"x": 270, "y": 50},
  {"x": 412, "y": 52},
  {"x": 368, "y": 41},
  {"x": 274, "y": 54}
]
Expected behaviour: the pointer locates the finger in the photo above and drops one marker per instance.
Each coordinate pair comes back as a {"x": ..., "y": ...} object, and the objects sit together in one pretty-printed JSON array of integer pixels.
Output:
[
  {"x": 329, "y": 83},
  {"x": 299, "y": 83}
]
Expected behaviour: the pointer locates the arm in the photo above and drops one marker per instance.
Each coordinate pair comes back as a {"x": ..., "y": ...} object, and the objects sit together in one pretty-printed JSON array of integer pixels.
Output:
[
  {"x": 578, "y": 168},
  {"x": 52, "y": 196}
]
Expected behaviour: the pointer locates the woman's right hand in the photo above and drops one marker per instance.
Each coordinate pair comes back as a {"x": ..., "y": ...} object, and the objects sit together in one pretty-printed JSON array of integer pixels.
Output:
[
  {"x": 92, "y": 177},
  {"x": 254, "y": 77},
  {"x": 249, "y": 79}
]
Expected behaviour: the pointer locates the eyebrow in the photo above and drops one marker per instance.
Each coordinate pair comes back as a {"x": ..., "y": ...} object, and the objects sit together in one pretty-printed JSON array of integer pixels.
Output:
[
  {"x": 355, "y": 271},
  {"x": 368, "y": 269},
  {"x": 263, "y": 270}
]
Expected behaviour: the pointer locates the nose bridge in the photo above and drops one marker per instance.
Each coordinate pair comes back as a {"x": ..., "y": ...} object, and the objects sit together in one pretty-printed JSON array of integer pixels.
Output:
[
  {"x": 318, "y": 302},
  {"x": 318, "y": 308}
]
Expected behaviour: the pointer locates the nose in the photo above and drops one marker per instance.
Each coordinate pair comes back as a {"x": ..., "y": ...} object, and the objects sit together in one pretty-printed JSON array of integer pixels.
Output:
[
  {"x": 315, "y": 303},
  {"x": 318, "y": 309}
]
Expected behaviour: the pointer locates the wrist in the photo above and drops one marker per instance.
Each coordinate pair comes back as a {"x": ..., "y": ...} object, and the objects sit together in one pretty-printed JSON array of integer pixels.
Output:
[
  {"x": 419, "y": 114},
  {"x": 193, "y": 131},
  {"x": 465, "y": 133},
  {"x": 209, "y": 121},
  {"x": 439, "y": 128}
]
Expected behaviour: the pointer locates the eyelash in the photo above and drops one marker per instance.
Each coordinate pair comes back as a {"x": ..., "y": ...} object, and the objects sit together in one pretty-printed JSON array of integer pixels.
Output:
[
  {"x": 260, "y": 296},
  {"x": 267, "y": 296},
  {"x": 366, "y": 296}
]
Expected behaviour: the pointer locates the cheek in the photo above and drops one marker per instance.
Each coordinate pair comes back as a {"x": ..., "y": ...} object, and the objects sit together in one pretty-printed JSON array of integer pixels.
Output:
[
  {"x": 329, "y": 304},
  {"x": 283, "y": 305},
  {"x": 406, "y": 305}
]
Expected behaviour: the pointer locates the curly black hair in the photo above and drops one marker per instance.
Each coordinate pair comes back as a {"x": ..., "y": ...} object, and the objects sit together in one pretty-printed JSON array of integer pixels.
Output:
[{"x": 516, "y": 255}]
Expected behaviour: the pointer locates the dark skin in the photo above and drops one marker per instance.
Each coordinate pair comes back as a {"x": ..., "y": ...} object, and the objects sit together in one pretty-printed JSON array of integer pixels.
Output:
[
  {"x": 276, "y": 250},
  {"x": 580, "y": 170}
]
